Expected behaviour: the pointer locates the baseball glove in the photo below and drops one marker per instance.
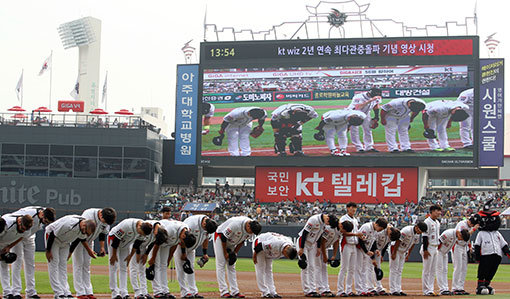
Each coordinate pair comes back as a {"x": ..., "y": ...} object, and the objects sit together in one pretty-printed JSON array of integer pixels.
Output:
[
  {"x": 150, "y": 272},
  {"x": 8, "y": 257},
  {"x": 378, "y": 273},
  {"x": 186, "y": 267},
  {"x": 232, "y": 258},
  {"x": 334, "y": 263},
  {"x": 319, "y": 136},
  {"x": 429, "y": 134},
  {"x": 374, "y": 123},
  {"x": 302, "y": 262},
  {"x": 257, "y": 131},
  {"x": 218, "y": 140}
]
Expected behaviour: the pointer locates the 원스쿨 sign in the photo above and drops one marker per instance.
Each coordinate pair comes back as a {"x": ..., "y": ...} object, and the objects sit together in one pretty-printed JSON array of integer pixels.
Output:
[{"x": 337, "y": 184}]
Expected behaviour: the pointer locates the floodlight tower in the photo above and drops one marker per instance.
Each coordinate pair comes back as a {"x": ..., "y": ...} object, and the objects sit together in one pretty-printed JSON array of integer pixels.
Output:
[{"x": 85, "y": 33}]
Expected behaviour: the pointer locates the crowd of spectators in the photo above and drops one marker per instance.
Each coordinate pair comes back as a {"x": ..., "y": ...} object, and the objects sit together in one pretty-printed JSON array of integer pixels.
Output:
[
  {"x": 232, "y": 202},
  {"x": 334, "y": 83}
]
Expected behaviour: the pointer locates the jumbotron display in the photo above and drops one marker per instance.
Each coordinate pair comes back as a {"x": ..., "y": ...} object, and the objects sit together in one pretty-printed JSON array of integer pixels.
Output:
[{"x": 370, "y": 102}]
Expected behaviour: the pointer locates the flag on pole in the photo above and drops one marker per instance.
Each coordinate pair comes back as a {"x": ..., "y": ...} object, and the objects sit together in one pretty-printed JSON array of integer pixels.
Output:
[
  {"x": 75, "y": 93},
  {"x": 103, "y": 100},
  {"x": 19, "y": 88},
  {"x": 46, "y": 65}
]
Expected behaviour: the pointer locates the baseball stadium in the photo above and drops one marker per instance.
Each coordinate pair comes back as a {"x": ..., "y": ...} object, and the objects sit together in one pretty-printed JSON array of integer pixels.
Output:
[{"x": 330, "y": 161}]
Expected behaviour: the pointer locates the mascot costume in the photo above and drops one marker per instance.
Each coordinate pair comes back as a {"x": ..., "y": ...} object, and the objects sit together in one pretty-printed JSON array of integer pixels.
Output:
[{"x": 489, "y": 248}]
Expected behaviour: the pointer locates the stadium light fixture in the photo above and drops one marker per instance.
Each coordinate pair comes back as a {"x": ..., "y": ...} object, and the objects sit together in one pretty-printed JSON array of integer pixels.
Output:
[{"x": 76, "y": 33}]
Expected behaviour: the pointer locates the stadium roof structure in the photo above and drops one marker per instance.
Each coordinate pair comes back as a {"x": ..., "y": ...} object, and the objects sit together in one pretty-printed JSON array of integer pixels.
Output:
[{"x": 357, "y": 24}]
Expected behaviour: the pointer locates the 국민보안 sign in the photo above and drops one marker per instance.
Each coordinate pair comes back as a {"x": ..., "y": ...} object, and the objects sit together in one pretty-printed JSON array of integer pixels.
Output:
[{"x": 338, "y": 184}]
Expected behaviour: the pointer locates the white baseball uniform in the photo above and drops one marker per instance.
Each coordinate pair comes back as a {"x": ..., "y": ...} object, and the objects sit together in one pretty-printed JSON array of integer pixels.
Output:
[
  {"x": 397, "y": 120},
  {"x": 187, "y": 281},
  {"x": 81, "y": 259},
  {"x": 272, "y": 248},
  {"x": 25, "y": 250},
  {"x": 350, "y": 255},
  {"x": 381, "y": 241},
  {"x": 235, "y": 232},
  {"x": 66, "y": 231},
  {"x": 430, "y": 264},
  {"x": 439, "y": 115},
  {"x": 238, "y": 130},
  {"x": 366, "y": 269},
  {"x": 336, "y": 123},
  {"x": 447, "y": 240},
  {"x": 368, "y": 140},
  {"x": 330, "y": 235},
  {"x": 174, "y": 229},
  {"x": 460, "y": 259},
  {"x": 137, "y": 269},
  {"x": 466, "y": 126},
  {"x": 211, "y": 111},
  {"x": 408, "y": 238},
  {"x": 126, "y": 232},
  {"x": 9, "y": 236},
  {"x": 315, "y": 227}
]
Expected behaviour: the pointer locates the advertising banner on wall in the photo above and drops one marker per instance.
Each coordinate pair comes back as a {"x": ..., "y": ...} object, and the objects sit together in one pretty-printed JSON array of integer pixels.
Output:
[
  {"x": 186, "y": 114},
  {"x": 337, "y": 184},
  {"x": 492, "y": 114}
]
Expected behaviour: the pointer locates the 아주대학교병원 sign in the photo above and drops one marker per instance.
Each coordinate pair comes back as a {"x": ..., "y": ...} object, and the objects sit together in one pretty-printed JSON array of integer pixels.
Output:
[{"x": 186, "y": 114}]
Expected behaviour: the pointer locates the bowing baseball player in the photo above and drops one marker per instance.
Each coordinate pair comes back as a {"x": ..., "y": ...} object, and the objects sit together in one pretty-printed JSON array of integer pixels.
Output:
[
  {"x": 428, "y": 250},
  {"x": 437, "y": 117},
  {"x": 307, "y": 250},
  {"x": 366, "y": 102},
  {"x": 200, "y": 226},
  {"x": 266, "y": 248},
  {"x": 466, "y": 126},
  {"x": 120, "y": 251},
  {"x": 349, "y": 255},
  {"x": 460, "y": 258},
  {"x": 330, "y": 237},
  {"x": 380, "y": 246},
  {"x": 207, "y": 112},
  {"x": 446, "y": 242},
  {"x": 62, "y": 237},
  {"x": 287, "y": 122},
  {"x": 16, "y": 229},
  {"x": 337, "y": 122},
  {"x": 400, "y": 252},
  {"x": 238, "y": 126},
  {"x": 178, "y": 234},
  {"x": 366, "y": 262},
  {"x": 396, "y": 116},
  {"x": 228, "y": 240},
  {"x": 103, "y": 218},
  {"x": 137, "y": 272},
  {"x": 25, "y": 250}
]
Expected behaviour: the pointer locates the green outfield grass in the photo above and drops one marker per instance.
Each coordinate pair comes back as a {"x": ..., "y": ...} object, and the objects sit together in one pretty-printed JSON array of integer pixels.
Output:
[
  {"x": 100, "y": 282},
  {"x": 266, "y": 140}
]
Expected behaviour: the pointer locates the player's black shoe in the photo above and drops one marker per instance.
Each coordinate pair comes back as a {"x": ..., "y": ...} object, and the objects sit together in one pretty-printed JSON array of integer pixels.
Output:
[
  {"x": 395, "y": 151},
  {"x": 395, "y": 294},
  {"x": 409, "y": 151},
  {"x": 446, "y": 293},
  {"x": 277, "y": 296},
  {"x": 403, "y": 294},
  {"x": 34, "y": 296},
  {"x": 198, "y": 296},
  {"x": 373, "y": 150},
  {"x": 299, "y": 154}
]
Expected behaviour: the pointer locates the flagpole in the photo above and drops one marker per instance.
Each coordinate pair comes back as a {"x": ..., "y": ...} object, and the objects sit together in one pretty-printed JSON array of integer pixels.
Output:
[
  {"x": 51, "y": 72},
  {"x": 104, "y": 94},
  {"x": 22, "y": 87}
]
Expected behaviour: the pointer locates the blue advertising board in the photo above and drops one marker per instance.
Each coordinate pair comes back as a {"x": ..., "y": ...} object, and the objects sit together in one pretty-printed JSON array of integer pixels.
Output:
[
  {"x": 491, "y": 113},
  {"x": 186, "y": 110}
]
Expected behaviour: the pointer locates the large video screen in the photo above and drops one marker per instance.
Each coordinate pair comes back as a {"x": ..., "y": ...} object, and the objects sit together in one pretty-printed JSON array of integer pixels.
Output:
[{"x": 340, "y": 109}]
